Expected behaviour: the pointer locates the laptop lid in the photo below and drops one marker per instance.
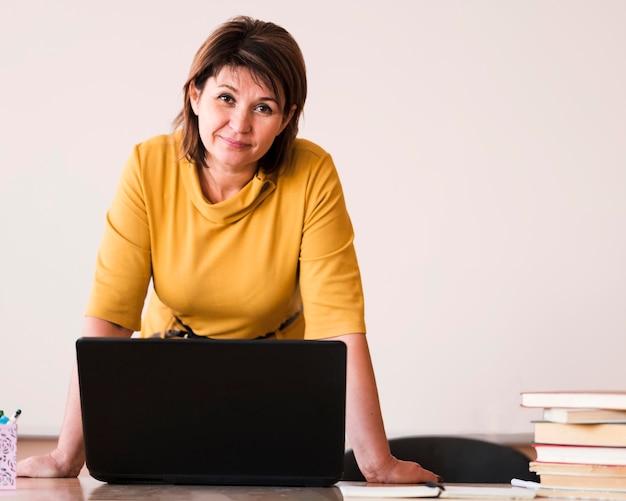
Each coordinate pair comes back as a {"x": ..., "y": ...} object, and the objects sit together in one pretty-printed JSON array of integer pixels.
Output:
[{"x": 193, "y": 411}]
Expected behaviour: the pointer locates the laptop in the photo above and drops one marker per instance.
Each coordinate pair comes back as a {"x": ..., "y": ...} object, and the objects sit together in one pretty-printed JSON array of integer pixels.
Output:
[{"x": 189, "y": 411}]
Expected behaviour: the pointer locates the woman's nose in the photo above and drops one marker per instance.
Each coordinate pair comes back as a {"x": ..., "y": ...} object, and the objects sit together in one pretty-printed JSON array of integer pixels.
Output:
[{"x": 240, "y": 121}]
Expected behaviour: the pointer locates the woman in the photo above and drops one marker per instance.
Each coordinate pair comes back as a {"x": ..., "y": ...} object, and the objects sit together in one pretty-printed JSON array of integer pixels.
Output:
[{"x": 242, "y": 229}]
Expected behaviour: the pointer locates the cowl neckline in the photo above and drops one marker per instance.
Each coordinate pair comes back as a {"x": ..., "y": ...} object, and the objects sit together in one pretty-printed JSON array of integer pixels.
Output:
[{"x": 233, "y": 208}]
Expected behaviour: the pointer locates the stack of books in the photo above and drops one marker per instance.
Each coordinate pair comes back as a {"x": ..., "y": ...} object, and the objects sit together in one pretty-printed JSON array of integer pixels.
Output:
[{"x": 580, "y": 443}]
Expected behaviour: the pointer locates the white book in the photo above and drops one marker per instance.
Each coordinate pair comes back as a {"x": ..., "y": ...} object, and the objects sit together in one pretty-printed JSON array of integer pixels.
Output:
[
  {"x": 362, "y": 490},
  {"x": 575, "y": 399}
]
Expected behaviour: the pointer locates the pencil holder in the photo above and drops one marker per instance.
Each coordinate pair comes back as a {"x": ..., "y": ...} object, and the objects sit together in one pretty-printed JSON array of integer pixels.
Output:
[{"x": 8, "y": 456}]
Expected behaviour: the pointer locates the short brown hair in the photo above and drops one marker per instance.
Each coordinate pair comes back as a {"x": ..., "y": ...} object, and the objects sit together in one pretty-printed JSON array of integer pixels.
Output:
[{"x": 272, "y": 55}]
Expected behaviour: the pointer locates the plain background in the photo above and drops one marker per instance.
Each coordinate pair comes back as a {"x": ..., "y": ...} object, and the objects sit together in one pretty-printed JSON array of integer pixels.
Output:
[{"x": 482, "y": 149}]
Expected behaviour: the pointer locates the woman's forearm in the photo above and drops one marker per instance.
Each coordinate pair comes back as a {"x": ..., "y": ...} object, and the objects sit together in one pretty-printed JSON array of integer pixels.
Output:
[
  {"x": 69, "y": 457},
  {"x": 71, "y": 437},
  {"x": 364, "y": 422}
]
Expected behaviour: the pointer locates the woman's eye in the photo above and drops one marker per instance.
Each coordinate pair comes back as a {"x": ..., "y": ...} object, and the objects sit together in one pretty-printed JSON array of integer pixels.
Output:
[
  {"x": 265, "y": 109},
  {"x": 227, "y": 98}
]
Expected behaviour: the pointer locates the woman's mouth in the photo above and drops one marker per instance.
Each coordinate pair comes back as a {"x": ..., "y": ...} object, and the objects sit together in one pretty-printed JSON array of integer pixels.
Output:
[{"x": 233, "y": 143}]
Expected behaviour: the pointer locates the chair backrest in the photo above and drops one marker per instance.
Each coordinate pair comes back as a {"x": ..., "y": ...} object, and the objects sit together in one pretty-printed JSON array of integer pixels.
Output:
[{"x": 456, "y": 459}]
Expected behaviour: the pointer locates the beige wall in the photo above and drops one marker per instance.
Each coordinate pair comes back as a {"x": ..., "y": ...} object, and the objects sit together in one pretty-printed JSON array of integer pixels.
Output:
[{"x": 481, "y": 147}]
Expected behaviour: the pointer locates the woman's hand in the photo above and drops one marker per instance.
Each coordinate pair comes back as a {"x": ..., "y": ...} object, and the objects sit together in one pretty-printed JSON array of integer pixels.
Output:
[
  {"x": 56, "y": 464},
  {"x": 396, "y": 471}
]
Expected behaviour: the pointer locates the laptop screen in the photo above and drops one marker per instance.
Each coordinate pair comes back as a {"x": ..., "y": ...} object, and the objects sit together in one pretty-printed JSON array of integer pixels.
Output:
[{"x": 213, "y": 412}]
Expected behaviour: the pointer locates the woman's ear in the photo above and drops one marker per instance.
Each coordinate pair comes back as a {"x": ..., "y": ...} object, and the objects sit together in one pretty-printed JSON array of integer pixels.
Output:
[
  {"x": 286, "y": 118},
  {"x": 194, "y": 96}
]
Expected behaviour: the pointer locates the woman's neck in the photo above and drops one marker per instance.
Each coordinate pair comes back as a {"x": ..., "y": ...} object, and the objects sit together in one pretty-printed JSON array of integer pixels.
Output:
[{"x": 219, "y": 185}]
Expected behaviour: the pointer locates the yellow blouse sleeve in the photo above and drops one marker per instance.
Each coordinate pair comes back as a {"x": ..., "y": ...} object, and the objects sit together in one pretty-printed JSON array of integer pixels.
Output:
[
  {"x": 123, "y": 268},
  {"x": 330, "y": 279}
]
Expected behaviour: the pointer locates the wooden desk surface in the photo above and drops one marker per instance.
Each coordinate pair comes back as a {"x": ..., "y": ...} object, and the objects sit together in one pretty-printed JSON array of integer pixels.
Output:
[{"x": 86, "y": 488}]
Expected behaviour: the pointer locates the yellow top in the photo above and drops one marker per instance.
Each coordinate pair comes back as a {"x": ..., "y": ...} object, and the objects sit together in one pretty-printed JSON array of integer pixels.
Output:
[{"x": 235, "y": 269}]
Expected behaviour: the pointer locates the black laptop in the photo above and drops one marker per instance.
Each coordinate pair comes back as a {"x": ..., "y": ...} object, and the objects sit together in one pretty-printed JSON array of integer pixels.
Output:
[{"x": 187, "y": 411}]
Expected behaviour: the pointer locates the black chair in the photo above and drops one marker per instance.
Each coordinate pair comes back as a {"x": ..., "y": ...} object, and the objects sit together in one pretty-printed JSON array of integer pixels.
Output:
[{"x": 455, "y": 459}]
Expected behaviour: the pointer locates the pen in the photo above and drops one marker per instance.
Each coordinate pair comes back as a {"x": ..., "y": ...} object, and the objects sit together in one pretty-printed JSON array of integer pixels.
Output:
[
  {"x": 15, "y": 416},
  {"x": 435, "y": 485},
  {"x": 516, "y": 482}
]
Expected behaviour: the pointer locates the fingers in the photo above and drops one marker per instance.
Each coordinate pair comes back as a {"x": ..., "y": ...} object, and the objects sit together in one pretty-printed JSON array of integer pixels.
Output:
[
  {"x": 37, "y": 466},
  {"x": 407, "y": 472},
  {"x": 44, "y": 467}
]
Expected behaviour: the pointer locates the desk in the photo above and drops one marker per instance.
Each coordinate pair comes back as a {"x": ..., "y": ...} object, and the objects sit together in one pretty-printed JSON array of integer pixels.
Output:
[{"x": 86, "y": 488}]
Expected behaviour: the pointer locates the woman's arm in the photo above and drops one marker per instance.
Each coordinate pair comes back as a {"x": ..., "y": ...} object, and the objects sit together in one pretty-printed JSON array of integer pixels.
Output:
[
  {"x": 364, "y": 422},
  {"x": 68, "y": 458}
]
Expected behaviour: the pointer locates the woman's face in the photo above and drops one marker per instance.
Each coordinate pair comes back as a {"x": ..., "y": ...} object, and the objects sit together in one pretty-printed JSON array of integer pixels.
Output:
[{"x": 238, "y": 118}]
